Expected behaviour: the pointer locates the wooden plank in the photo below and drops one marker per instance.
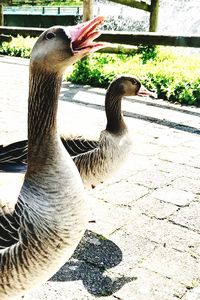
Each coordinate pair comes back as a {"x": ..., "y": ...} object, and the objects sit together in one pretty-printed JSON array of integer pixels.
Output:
[
  {"x": 133, "y": 3},
  {"x": 150, "y": 38},
  {"x": 121, "y": 37},
  {"x": 87, "y": 10},
  {"x": 1, "y": 15},
  {"x": 24, "y": 31},
  {"x": 5, "y": 38},
  {"x": 153, "y": 22},
  {"x": 119, "y": 49}
]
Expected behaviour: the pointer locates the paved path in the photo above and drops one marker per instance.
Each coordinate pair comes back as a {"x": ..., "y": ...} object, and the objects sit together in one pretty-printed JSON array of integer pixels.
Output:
[{"x": 145, "y": 244}]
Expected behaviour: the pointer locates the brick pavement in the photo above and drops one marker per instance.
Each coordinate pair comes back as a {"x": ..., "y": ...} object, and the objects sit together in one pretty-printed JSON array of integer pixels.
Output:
[{"x": 145, "y": 243}]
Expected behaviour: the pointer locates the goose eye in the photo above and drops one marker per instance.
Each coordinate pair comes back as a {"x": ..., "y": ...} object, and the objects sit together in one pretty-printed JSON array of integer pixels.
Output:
[{"x": 50, "y": 35}]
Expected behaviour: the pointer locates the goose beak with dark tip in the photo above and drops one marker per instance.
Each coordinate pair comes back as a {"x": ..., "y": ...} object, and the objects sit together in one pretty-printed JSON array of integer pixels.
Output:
[
  {"x": 83, "y": 35},
  {"x": 143, "y": 92}
]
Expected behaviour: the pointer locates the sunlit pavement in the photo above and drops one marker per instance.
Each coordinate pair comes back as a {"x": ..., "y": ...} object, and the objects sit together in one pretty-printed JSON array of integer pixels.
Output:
[{"x": 144, "y": 243}]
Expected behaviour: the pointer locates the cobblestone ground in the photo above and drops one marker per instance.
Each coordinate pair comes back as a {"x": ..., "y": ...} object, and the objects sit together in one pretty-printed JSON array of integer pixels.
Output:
[{"x": 145, "y": 241}]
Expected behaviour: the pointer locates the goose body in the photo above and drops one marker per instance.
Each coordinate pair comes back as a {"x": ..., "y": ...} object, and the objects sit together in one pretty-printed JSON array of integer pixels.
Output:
[
  {"x": 114, "y": 144},
  {"x": 96, "y": 160},
  {"x": 101, "y": 163},
  {"x": 49, "y": 217}
]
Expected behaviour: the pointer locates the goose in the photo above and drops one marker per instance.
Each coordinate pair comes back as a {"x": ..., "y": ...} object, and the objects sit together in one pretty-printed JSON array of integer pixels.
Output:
[
  {"x": 114, "y": 144},
  {"x": 50, "y": 214},
  {"x": 96, "y": 160}
]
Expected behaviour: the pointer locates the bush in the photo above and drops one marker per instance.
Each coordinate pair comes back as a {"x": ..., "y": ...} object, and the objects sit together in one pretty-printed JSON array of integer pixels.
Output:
[
  {"x": 175, "y": 77},
  {"x": 147, "y": 53},
  {"x": 172, "y": 73},
  {"x": 91, "y": 71},
  {"x": 66, "y": 3},
  {"x": 20, "y": 47}
]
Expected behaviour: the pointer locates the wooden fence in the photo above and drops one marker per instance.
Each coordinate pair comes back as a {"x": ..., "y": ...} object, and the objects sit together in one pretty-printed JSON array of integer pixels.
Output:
[
  {"x": 43, "y": 10},
  {"x": 152, "y": 8},
  {"x": 121, "y": 38},
  {"x": 5, "y": 38}
]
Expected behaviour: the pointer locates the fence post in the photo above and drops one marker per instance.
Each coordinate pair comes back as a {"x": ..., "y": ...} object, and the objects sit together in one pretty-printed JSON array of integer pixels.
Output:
[
  {"x": 87, "y": 10},
  {"x": 1, "y": 15},
  {"x": 58, "y": 10},
  {"x": 154, "y": 15}
]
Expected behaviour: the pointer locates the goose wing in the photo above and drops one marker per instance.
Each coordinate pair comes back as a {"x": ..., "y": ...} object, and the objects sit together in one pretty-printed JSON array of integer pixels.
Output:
[
  {"x": 9, "y": 224},
  {"x": 78, "y": 145},
  {"x": 10, "y": 209},
  {"x": 13, "y": 157},
  {"x": 14, "y": 153}
]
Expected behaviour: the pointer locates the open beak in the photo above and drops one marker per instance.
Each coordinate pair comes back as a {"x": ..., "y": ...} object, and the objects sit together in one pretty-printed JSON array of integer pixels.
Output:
[
  {"x": 143, "y": 92},
  {"x": 82, "y": 36}
]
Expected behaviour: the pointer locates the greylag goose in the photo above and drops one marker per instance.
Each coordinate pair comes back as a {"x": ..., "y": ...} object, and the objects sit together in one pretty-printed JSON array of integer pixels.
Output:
[
  {"x": 49, "y": 218},
  {"x": 114, "y": 144},
  {"x": 96, "y": 160}
]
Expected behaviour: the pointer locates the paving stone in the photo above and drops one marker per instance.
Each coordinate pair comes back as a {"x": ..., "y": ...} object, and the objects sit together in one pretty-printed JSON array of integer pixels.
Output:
[
  {"x": 153, "y": 207},
  {"x": 173, "y": 196},
  {"x": 187, "y": 184},
  {"x": 172, "y": 139},
  {"x": 147, "y": 149},
  {"x": 125, "y": 192},
  {"x": 191, "y": 144},
  {"x": 108, "y": 218},
  {"x": 61, "y": 291},
  {"x": 153, "y": 178},
  {"x": 150, "y": 286},
  {"x": 166, "y": 234},
  {"x": 179, "y": 156},
  {"x": 193, "y": 294},
  {"x": 170, "y": 263},
  {"x": 135, "y": 248},
  {"x": 175, "y": 157},
  {"x": 178, "y": 170},
  {"x": 188, "y": 216},
  {"x": 136, "y": 163}
]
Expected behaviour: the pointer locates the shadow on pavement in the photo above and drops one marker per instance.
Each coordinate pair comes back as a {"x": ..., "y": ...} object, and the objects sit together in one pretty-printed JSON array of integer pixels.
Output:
[
  {"x": 166, "y": 123},
  {"x": 93, "y": 256},
  {"x": 73, "y": 88}
]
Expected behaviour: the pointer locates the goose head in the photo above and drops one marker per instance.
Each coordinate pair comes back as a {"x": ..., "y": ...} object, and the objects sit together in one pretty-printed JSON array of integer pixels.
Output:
[
  {"x": 59, "y": 47},
  {"x": 125, "y": 86},
  {"x": 120, "y": 87}
]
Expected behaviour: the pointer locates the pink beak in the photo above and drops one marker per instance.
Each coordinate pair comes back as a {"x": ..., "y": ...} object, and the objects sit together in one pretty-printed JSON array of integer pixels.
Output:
[
  {"x": 143, "y": 92},
  {"x": 83, "y": 34}
]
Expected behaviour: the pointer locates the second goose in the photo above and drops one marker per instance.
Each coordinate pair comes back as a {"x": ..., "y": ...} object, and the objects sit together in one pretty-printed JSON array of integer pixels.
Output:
[{"x": 96, "y": 160}]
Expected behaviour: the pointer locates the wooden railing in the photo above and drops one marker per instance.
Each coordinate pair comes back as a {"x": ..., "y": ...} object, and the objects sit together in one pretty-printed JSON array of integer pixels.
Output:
[
  {"x": 152, "y": 8},
  {"x": 87, "y": 9},
  {"x": 151, "y": 39},
  {"x": 121, "y": 37},
  {"x": 43, "y": 10},
  {"x": 5, "y": 38}
]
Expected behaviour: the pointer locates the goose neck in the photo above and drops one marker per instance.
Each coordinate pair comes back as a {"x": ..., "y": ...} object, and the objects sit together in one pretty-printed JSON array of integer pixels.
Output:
[
  {"x": 115, "y": 121},
  {"x": 44, "y": 89}
]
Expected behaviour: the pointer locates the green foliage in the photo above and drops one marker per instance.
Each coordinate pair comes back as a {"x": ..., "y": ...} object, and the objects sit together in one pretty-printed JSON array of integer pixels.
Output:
[
  {"x": 47, "y": 2},
  {"x": 20, "y": 47},
  {"x": 91, "y": 71},
  {"x": 174, "y": 76},
  {"x": 66, "y": 3},
  {"x": 172, "y": 73},
  {"x": 147, "y": 53}
]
